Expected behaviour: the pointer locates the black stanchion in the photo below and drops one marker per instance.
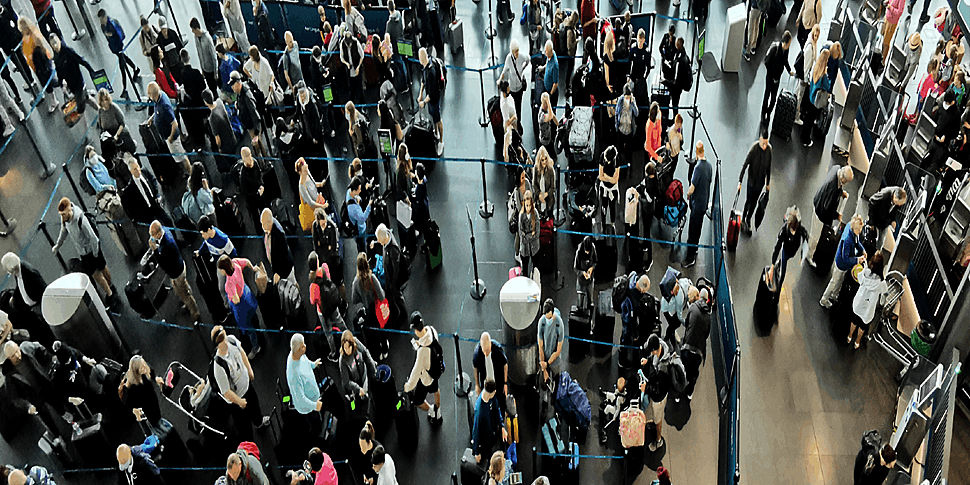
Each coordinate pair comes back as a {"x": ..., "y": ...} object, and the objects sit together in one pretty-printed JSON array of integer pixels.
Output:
[
  {"x": 175, "y": 22},
  {"x": 8, "y": 226},
  {"x": 559, "y": 217},
  {"x": 82, "y": 11},
  {"x": 78, "y": 33},
  {"x": 77, "y": 193},
  {"x": 463, "y": 383},
  {"x": 43, "y": 228},
  {"x": 490, "y": 35},
  {"x": 48, "y": 170},
  {"x": 478, "y": 286},
  {"x": 205, "y": 344},
  {"x": 483, "y": 121},
  {"x": 558, "y": 280},
  {"x": 486, "y": 208}
]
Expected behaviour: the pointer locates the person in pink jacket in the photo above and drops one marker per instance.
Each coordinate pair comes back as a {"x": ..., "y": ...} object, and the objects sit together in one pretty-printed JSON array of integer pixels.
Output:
[{"x": 894, "y": 11}]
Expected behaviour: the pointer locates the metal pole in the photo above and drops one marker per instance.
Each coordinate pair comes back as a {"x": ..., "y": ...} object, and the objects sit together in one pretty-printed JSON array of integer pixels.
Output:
[
  {"x": 70, "y": 179},
  {"x": 84, "y": 14},
  {"x": 198, "y": 331},
  {"x": 559, "y": 217},
  {"x": 9, "y": 226},
  {"x": 486, "y": 208},
  {"x": 43, "y": 228},
  {"x": 694, "y": 113},
  {"x": 490, "y": 35},
  {"x": 174, "y": 20},
  {"x": 78, "y": 33},
  {"x": 48, "y": 170},
  {"x": 478, "y": 286},
  {"x": 463, "y": 384},
  {"x": 483, "y": 121}
]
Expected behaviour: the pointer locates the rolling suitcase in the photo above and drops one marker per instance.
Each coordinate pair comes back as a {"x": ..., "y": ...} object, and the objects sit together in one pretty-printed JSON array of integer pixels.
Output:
[
  {"x": 163, "y": 165},
  {"x": 582, "y": 138},
  {"x": 765, "y": 306},
  {"x": 406, "y": 421},
  {"x": 579, "y": 327},
  {"x": 604, "y": 324},
  {"x": 496, "y": 120},
  {"x": 370, "y": 68},
  {"x": 420, "y": 138},
  {"x": 606, "y": 253},
  {"x": 432, "y": 244},
  {"x": 785, "y": 109},
  {"x": 227, "y": 212},
  {"x": 734, "y": 225},
  {"x": 208, "y": 285},
  {"x": 828, "y": 244},
  {"x": 456, "y": 36},
  {"x": 823, "y": 122}
]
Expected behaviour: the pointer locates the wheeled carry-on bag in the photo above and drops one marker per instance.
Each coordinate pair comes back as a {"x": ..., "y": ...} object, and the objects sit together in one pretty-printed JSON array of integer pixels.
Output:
[
  {"x": 406, "y": 421},
  {"x": 604, "y": 323},
  {"x": 785, "y": 108},
  {"x": 582, "y": 138},
  {"x": 765, "y": 305},
  {"x": 734, "y": 225},
  {"x": 579, "y": 326},
  {"x": 456, "y": 36}
]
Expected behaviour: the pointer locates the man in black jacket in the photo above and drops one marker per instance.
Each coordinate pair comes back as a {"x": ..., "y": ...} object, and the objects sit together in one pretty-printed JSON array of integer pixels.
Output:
[
  {"x": 171, "y": 45},
  {"x": 141, "y": 197},
  {"x": 246, "y": 105},
  {"x": 697, "y": 325},
  {"x": 277, "y": 251},
  {"x": 10, "y": 39},
  {"x": 945, "y": 142},
  {"x": 884, "y": 207},
  {"x": 682, "y": 74},
  {"x": 759, "y": 161},
  {"x": 136, "y": 466},
  {"x": 393, "y": 272},
  {"x": 826, "y": 203},
  {"x": 29, "y": 285},
  {"x": 775, "y": 60},
  {"x": 487, "y": 350},
  {"x": 170, "y": 261},
  {"x": 251, "y": 185},
  {"x": 194, "y": 83},
  {"x": 220, "y": 127}
]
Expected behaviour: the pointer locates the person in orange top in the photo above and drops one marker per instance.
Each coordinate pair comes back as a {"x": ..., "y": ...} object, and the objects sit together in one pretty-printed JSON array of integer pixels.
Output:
[
  {"x": 36, "y": 48},
  {"x": 654, "y": 131}
]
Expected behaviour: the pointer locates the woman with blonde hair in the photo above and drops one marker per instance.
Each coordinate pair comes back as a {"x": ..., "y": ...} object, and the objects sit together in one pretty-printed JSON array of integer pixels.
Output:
[
  {"x": 613, "y": 84},
  {"x": 819, "y": 88},
  {"x": 547, "y": 125},
  {"x": 138, "y": 391},
  {"x": 310, "y": 197},
  {"x": 497, "y": 471},
  {"x": 544, "y": 183},
  {"x": 39, "y": 56}
]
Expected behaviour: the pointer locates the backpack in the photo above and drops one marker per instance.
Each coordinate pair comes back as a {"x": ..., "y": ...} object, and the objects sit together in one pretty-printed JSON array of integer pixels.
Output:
[
  {"x": 621, "y": 289},
  {"x": 250, "y": 448},
  {"x": 403, "y": 267},
  {"x": 686, "y": 81},
  {"x": 675, "y": 192},
  {"x": 221, "y": 362},
  {"x": 348, "y": 228},
  {"x": 85, "y": 183},
  {"x": 626, "y": 119},
  {"x": 871, "y": 439},
  {"x": 290, "y": 298},
  {"x": 40, "y": 476},
  {"x": 190, "y": 207},
  {"x": 329, "y": 297},
  {"x": 117, "y": 26},
  {"x": 234, "y": 122},
  {"x": 437, "y": 360},
  {"x": 442, "y": 73},
  {"x": 678, "y": 375}
]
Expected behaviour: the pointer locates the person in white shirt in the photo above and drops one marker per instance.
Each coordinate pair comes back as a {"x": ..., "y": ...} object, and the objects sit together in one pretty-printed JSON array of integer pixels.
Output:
[
  {"x": 421, "y": 380},
  {"x": 260, "y": 71},
  {"x": 506, "y": 103},
  {"x": 384, "y": 467},
  {"x": 233, "y": 376}
]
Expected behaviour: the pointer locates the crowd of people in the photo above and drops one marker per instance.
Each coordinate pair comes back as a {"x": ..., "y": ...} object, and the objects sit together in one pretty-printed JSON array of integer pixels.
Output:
[{"x": 262, "y": 107}]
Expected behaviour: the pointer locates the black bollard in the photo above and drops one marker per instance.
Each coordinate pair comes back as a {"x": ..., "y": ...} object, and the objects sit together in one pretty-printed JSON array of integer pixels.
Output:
[
  {"x": 77, "y": 193},
  {"x": 43, "y": 228},
  {"x": 486, "y": 208}
]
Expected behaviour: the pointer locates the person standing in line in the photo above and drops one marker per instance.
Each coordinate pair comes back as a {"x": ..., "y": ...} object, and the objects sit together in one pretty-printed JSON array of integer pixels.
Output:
[
  {"x": 232, "y": 11},
  {"x": 849, "y": 253},
  {"x": 206, "y": 50},
  {"x": 233, "y": 381},
  {"x": 871, "y": 293},
  {"x": 552, "y": 334},
  {"x": 291, "y": 66},
  {"x": 193, "y": 84},
  {"x": 115, "y": 37},
  {"x": 819, "y": 88},
  {"x": 165, "y": 122},
  {"x": 682, "y": 76},
  {"x": 884, "y": 208},
  {"x": 171, "y": 44},
  {"x": 247, "y": 110},
  {"x": 170, "y": 260},
  {"x": 147, "y": 37},
  {"x": 809, "y": 53},
  {"x": 421, "y": 382},
  {"x": 759, "y": 160},
  {"x": 221, "y": 129},
  {"x": 430, "y": 94},
  {"x": 775, "y": 60},
  {"x": 76, "y": 226},
  {"x": 826, "y": 203},
  {"x": 490, "y": 363},
  {"x": 585, "y": 263},
  {"x": 384, "y": 467},
  {"x": 227, "y": 64},
  {"x": 141, "y": 198},
  {"x": 913, "y": 50},
  {"x": 755, "y": 9},
  {"x": 626, "y": 120},
  {"x": 488, "y": 428},
  {"x": 242, "y": 301},
  {"x": 38, "y": 55},
  {"x": 302, "y": 383},
  {"x": 136, "y": 465},
  {"x": 277, "y": 251},
  {"x": 699, "y": 195},
  {"x": 808, "y": 17},
  {"x": 366, "y": 290},
  {"x": 792, "y": 236},
  {"x": 29, "y": 285},
  {"x": 242, "y": 468},
  {"x": 550, "y": 76},
  {"x": 357, "y": 215},
  {"x": 894, "y": 12},
  {"x": 528, "y": 233},
  {"x": 514, "y": 73},
  {"x": 393, "y": 276},
  {"x": 660, "y": 373},
  {"x": 697, "y": 329}
]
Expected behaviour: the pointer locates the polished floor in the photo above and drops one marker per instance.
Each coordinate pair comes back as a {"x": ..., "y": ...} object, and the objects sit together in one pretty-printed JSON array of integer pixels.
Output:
[{"x": 806, "y": 397}]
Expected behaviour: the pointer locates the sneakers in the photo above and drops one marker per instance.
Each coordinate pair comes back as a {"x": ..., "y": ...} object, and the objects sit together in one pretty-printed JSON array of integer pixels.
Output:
[
  {"x": 431, "y": 414},
  {"x": 252, "y": 353},
  {"x": 676, "y": 3},
  {"x": 747, "y": 56},
  {"x": 809, "y": 144},
  {"x": 798, "y": 121},
  {"x": 333, "y": 357},
  {"x": 810, "y": 262},
  {"x": 434, "y": 414},
  {"x": 825, "y": 303},
  {"x": 264, "y": 423},
  {"x": 688, "y": 264},
  {"x": 655, "y": 445}
]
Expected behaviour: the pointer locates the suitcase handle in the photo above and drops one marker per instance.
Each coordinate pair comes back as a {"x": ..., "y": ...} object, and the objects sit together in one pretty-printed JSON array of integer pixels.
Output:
[{"x": 736, "y": 197}]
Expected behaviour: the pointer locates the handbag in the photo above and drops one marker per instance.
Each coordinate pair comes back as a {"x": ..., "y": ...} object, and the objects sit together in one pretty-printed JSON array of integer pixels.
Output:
[
  {"x": 276, "y": 94},
  {"x": 404, "y": 214},
  {"x": 382, "y": 309},
  {"x": 633, "y": 423},
  {"x": 513, "y": 215}
]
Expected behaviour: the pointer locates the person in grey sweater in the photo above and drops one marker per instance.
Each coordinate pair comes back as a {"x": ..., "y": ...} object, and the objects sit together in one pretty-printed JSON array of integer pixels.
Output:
[
  {"x": 366, "y": 290},
  {"x": 208, "y": 62},
  {"x": 75, "y": 225},
  {"x": 243, "y": 468},
  {"x": 528, "y": 233},
  {"x": 356, "y": 368}
]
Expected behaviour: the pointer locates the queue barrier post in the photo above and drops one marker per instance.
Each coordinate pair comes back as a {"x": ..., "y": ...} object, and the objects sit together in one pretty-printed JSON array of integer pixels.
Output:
[
  {"x": 463, "y": 383},
  {"x": 77, "y": 193},
  {"x": 9, "y": 226},
  {"x": 48, "y": 170},
  {"x": 486, "y": 208},
  {"x": 483, "y": 121},
  {"x": 43, "y": 228}
]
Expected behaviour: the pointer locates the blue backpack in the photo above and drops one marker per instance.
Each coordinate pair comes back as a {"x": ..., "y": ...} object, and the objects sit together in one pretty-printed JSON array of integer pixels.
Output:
[{"x": 117, "y": 26}]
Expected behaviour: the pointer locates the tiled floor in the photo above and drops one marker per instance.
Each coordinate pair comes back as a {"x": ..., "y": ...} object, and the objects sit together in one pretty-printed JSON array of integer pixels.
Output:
[{"x": 806, "y": 398}]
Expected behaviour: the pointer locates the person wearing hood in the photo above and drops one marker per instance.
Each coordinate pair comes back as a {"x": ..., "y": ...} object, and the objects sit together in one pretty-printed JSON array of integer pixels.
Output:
[
  {"x": 697, "y": 329},
  {"x": 420, "y": 381},
  {"x": 312, "y": 127},
  {"x": 871, "y": 293},
  {"x": 585, "y": 264},
  {"x": 29, "y": 288},
  {"x": 673, "y": 290}
]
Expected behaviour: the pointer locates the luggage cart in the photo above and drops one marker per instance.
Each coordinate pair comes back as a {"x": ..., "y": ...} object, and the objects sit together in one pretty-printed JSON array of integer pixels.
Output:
[
  {"x": 884, "y": 332},
  {"x": 193, "y": 398}
]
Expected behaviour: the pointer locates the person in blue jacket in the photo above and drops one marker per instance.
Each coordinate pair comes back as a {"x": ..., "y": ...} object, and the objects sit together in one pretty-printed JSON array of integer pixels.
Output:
[
  {"x": 357, "y": 214},
  {"x": 227, "y": 64},
  {"x": 170, "y": 260},
  {"x": 488, "y": 427},
  {"x": 115, "y": 36},
  {"x": 849, "y": 253}
]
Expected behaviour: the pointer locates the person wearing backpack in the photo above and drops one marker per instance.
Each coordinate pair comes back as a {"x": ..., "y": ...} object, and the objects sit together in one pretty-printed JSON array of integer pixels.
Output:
[
  {"x": 115, "y": 37},
  {"x": 661, "y": 372},
  {"x": 355, "y": 213},
  {"x": 873, "y": 463},
  {"x": 674, "y": 290},
  {"x": 396, "y": 271},
  {"x": 231, "y": 376},
  {"x": 432, "y": 85},
  {"x": 243, "y": 468},
  {"x": 633, "y": 295},
  {"x": 682, "y": 79},
  {"x": 693, "y": 349},
  {"x": 135, "y": 463},
  {"x": 490, "y": 363},
  {"x": 775, "y": 60},
  {"x": 427, "y": 369},
  {"x": 626, "y": 119}
]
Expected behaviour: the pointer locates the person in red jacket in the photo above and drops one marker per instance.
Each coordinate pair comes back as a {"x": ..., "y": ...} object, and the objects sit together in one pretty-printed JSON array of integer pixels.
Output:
[
  {"x": 44, "y": 13},
  {"x": 587, "y": 16}
]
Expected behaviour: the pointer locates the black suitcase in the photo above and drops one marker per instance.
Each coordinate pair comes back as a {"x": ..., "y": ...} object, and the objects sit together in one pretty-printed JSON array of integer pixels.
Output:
[
  {"x": 823, "y": 122},
  {"x": 432, "y": 244},
  {"x": 208, "y": 285},
  {"x": 496, "y": 120},
  {"x": 385, "y": 396},
  {"x": 828, "y": 244},
  {"x": 579, "y": 327},
  {"x": 159, "y": 157},
  {"x": 227, "y": 212},
  {"x": 420, "y": 138},
  {"x": 785, "y": 108},
  {"x": 765, "y": 306},
  {"x": 843, "y": 304},
  {"x": 633, "y": 462},
  {"x": 406, "y": 421},
  {"x": 606, "y": 255},
  {"x": 604, "y": 323}
]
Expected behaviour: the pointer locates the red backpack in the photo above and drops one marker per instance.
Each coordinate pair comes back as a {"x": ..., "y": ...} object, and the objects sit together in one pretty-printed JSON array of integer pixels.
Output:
[
  {"x": 249, "y": 447},
  {"x": 675, "y": 192}
]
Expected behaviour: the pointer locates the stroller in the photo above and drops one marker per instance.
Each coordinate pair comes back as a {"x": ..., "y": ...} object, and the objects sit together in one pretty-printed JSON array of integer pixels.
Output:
[
  {"x": 675, "y": 208},
  {"x": 193, "y": 398}
]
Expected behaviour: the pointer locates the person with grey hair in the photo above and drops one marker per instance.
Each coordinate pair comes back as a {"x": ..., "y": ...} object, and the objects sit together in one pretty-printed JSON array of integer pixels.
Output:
[
  {"x": 395, "y": 274},
  {"x": 515, "y": 73},
  {"x": 302, "y": 383},
  {"x": 290, "y": 63},
  {"x": 826, "y": 203},
  {"x": 792, "y": 237},
  {"x": 697, "y": 329},
  {"x": 141, "y": 198},
  {"x": 30, "y": 285}
]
